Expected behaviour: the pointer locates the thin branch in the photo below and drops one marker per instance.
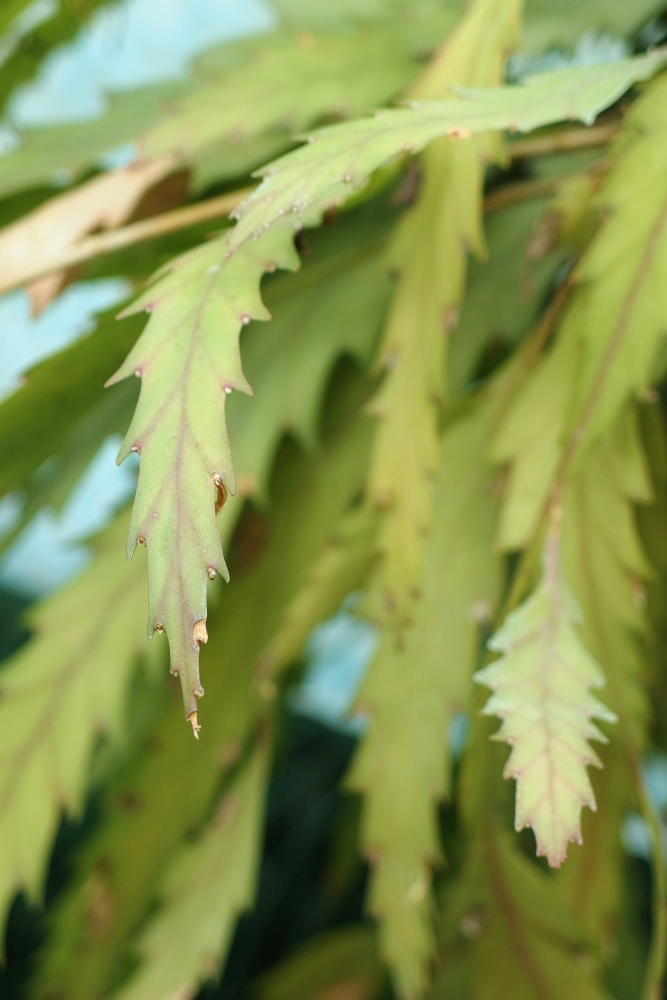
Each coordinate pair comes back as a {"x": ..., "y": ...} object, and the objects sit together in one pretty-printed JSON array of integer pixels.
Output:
[
  {"x": 565, "y": 141},
  {"x": 509, "y": 194},
  {"x": 182, "y": 218},
  {"x": 136, "y": 232}
]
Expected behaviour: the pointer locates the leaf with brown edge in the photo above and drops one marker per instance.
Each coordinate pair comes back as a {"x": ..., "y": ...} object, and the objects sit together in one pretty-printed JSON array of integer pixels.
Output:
[
  {"x": 188, "y": 360},
  {"x": 542, "y": 692},
  {"x": 39, "y": 239}
]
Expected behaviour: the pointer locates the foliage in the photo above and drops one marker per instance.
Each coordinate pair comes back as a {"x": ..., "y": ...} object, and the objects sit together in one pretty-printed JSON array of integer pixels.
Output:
[{"x": 338, "y": 409}]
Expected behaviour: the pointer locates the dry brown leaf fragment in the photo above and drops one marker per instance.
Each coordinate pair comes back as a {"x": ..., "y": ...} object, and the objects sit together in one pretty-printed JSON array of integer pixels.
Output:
[{"x": 105, "y": 202}]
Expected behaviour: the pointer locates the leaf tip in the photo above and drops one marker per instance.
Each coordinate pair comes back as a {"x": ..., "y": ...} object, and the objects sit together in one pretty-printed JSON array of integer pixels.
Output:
[{"x": 199, "y": 633}]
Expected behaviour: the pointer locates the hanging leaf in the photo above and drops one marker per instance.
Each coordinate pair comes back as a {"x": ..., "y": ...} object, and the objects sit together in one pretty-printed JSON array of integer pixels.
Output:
[
  {"x": 411, "y": 692},
  {"x": 340, "y": 964},
  {"x": 428, "y": 255},
  {"x": 610, "y": 336},
  {"x": 204, "y": 891},
  {"x": 188, "y": 365},
  {"x": 541, "y": 691},
  {"x": 607, "y": 569},
  {"x": 623, "y": 317},
  {"x": 63, "y": 688},
  {"x": 512, "y": 932},
  {"x": 126, "y": 857}
]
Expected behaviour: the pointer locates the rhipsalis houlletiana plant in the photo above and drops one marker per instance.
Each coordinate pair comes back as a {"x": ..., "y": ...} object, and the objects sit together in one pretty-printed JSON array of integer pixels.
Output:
[{"x": 394, "y": 370}]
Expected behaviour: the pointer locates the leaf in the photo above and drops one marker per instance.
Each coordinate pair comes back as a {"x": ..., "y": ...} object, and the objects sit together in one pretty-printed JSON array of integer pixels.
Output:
[
  {"x": 39, "y": 238},
  {"x": 411, "y": 691},
  {"x": 622, "y": 274},
  {"x": 63, "y": 688},
  {"x": 333, "y": 306},
  {"x": 608, "y": 569},
  {"x": 337, "y": 159},
  {"x": 341, "y": 964},
  {"x": 183, "y": 389},
  {"x": 45, "y": 152},
  {"x": 510, "y": 927},
  {"x": 205, "y": 889},
  {"x": 126, "y": 856},
  {"x": 503, "y": 294},
  {"x": 340, "y": 568},
  {"x": 551, "y": 23},
  {"x": 429, "y": 257},
  {"x": 59, "y": 395},
  {"x": 188, "y": 364},
  {"x": 284, "y": 87},
  {"x": 541, "y": 691},
  {"x": 258, "y": 84},
  {"x": 610, "y": 336}
]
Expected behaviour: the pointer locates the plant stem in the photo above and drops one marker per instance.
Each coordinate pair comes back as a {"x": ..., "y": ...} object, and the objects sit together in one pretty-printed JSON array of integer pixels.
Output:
[{"x": 565, "y": 141}]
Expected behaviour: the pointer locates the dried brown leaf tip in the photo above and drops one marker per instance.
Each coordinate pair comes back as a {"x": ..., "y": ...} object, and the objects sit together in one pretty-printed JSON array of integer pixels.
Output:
[
  {"x": 192, "y": 719},
  {"x": 199, "y": 632}
]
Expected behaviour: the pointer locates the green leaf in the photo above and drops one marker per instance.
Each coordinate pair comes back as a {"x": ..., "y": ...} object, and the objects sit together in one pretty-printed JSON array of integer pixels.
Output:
[
  {"x": 242, "y": 106},
  {"x": 188, "y": 360},
  {"x": 207, "y": 886},
  {"x": 551, "y": 23},
  {"x": 507, "y": 923},
  {"x": 610, "y": 336},
  {"x": 541, "y": 690},
  {"x": 341, "y": 568},
  {"x": 78, "y": 145},
  {"x": 411, "y": 691},
  {"x": 290, "y": 83},
  {"x": 429, "y": 256},
  {"x": 338, "y": 964},
  {"x": 339, "y": 158},
  {"x": 622, "y": 274},
  {"x": 608, "y": 571},
  {"x": 63, "y": 688},
  {"x": 606, "y": 565},
  {"x": 118, "y": 874}
]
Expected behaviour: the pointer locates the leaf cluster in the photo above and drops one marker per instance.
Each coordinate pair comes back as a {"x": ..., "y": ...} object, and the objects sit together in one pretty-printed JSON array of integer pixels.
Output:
[{"x": 416, "y": 374}]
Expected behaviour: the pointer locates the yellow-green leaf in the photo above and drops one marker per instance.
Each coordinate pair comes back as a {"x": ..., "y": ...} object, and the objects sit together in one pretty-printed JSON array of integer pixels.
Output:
[{"x": 542, "y": 692}]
